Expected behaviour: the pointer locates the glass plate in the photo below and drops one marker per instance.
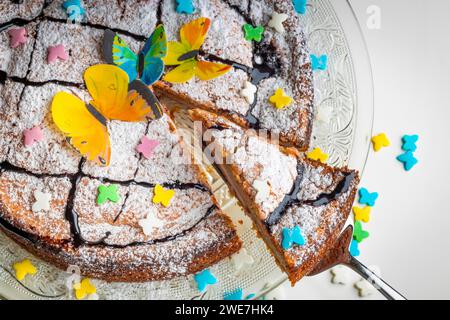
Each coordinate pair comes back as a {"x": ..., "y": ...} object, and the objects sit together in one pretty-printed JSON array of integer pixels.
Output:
[{"x": 343, "y": 128}]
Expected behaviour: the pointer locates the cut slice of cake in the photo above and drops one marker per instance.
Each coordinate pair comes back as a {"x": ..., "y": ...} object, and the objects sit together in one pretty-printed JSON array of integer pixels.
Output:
[{"x": 298, "y": 206}]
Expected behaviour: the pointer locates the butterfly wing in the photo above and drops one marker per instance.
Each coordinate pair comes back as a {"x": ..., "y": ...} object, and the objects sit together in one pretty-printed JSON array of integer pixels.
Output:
[
  {"x": 142, "y": 98},
  {"x": 183, "y": 73},
  {"x": 154, "y": 51},
  {"x": 209, "y": 70},
  {"x": 116, "y": 51},
  {"x": 297, "y": 236},
  {"x": 193, "y": 34},
  {"x": 86, "y": 133}
]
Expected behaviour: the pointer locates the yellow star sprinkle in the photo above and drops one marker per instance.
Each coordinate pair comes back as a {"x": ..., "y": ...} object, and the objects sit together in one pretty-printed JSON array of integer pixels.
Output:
[
  {"x": 162, "y": 195},
  {"x": 318, "y": 155},
  {"x": 23, "y": 269},
  {"x": 280, "y": 99},
  {"x": 380, "y": 141},
  {"x": 362, "y": 214},
  {"x": 84, "y": 289}
]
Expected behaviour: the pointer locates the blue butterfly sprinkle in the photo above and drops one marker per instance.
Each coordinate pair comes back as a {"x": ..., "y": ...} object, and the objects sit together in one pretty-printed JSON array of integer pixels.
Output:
[
  {"x": 204, "y": 279},
  {"x": 292, "y": 236},
  {"x": 409, "y": 142},
  {"x": 300, "y": 6},
  {"x": 367, "y": 198},
  {"x": 319, "y": 63},
  {"x": 235, "y": 295},
  {"x": 185, "y": 6},
  {"x": 74, "y": 10},
  {"x": 354, "y": 250},
  {"x": 408, "y": 160}
]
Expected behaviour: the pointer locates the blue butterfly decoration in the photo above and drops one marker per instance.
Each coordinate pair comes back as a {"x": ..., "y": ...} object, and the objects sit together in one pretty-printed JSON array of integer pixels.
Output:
[
  {"x": 408, "y": 160},
  {"x": 74, "y": 10},
  {"x": 235, "y": 295},
  {"x": 292, "y": 236},
  {"x": 367, "y": 198},
  {"x": 409, "y": 142},
  {"x": 204, "y": 279},
  {"x": 185, "y": 6},
  {"x": 319, "y": 63},
  {"x": 354, "y": 249},
  {"x": 300, "y": 6}
]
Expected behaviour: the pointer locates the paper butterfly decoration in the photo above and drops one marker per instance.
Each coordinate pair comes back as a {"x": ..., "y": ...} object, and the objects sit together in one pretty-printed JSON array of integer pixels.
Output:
[
  {"x": 366, "y": 197},
  {"x": 162, "y": 195},
  {"x": 185, "y": 6},
  {"x": 204, "y": 279},
  {"x": 184, "y": 55},
  {"x": 253, "y": 33},
  {"x": 147, "y": 65},
  {"x": 84, "y": 288},
  {"x": 23, "y": 269},
  {"x": 300, "y": 6},
  {"x": 85, "y": 124},
  {"x": 358, "y": 233},
  {"x": 409, "y": 142},
  {"x": 292, "y": 236},
  {"x": 319, "y": 63},
  {"x": 408, "y": 160}
]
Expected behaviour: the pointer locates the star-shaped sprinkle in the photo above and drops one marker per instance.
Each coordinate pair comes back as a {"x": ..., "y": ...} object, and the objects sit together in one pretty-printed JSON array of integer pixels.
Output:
[
  {"x": 409, "y": 142},
  {"x": 234, "y": 295},
  {"x": 150, "y": 223},
  {"x": 106, "y": 193},
  {"x": 248, "y": 92},
  {"x": 23, "y": 269},
  {"x": 17, "y": 37},
  {"x": 380, "y": 141},
  {"x": 84, "y": 288},
  {"x": 364, "y": 287},
  {"x": 204, "y": 279},
  {"x": 367, "y": 198},
  {"x": 362, "y": 214},
  {"x": 32, "y": 136},
  {"x": 42, "y": 201},
  {"x": 317, "y": 155},
  {"x": 262, "y": 190},
  {"x": 163, "y": 196},
  {"x": 253, "y": 33},
  {"x": 291, "y": 236},
  {"x": 242, "y": 260},
  {"x": 147, "y": 146},
  {"x": 354, "y": 248},
  {"x": 185, "y": 6},
  {"x": 339, "y": 275},
  {"x": 408, "y": 160},
  {"x": 276, "y": 22},
  {"x": 56, "y": 52},
  {"x": 319, "y": 63},
  {"x": 74, "y": 10},
  {"x": 300, "y": 6},
  {"x": 280, "y": 99},
  {"x": 358, "y": 233}
]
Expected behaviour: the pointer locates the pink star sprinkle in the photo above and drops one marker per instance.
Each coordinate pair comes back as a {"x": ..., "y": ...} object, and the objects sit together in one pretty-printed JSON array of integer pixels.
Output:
[
  {"x": 17, "y": 37},
  {"x": 57, "y": 52},
  {"x": 33, "y": 135},
  {"x": 146, "y": 147}
]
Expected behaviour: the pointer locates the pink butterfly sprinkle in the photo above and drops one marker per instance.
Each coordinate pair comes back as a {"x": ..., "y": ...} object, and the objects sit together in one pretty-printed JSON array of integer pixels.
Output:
[
  {"x": 33, "y": 135},
  {"x": 146, "y": 147},
  {"x": 17, "y": 37},
  {"x": 57, "y": 52}
]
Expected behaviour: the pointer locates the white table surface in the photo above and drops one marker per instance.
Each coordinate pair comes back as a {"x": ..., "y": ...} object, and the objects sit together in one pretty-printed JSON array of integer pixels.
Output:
[{"x": 410, "y": 224}]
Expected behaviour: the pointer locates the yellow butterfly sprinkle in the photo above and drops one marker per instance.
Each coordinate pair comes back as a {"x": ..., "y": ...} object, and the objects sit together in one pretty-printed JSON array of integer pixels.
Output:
[
  {"x": 280, "y": 99},
  {"x": 84, "y": 289},
  {"x": 362, "y": 214},
  {"x": 162, "y": 195},
  {"x": 317, "y": 155},
  {"x": 23, "y": 269},
  {"x": 380, "y": 141}
]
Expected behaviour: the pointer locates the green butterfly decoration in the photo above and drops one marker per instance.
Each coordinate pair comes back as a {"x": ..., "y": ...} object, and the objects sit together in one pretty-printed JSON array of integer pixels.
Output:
[
  {"x": 253, "y": 33},
  {"x": 359, "y": 234},
  {"x": 107, "y": 193}
]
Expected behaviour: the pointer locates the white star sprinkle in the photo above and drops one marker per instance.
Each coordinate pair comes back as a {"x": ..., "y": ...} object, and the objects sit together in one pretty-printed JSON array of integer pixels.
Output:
[
  {"x": 277, "y": 21},
  {"x": 262, "y": 190},
  {"x": 150, "y": 223},
  {"x": 42, "y": 202},
  {"x": 340, "y": 275},
  {"x": 248, "y": 92},
  {"x": 242, "y": 260},
  {"x": 365, "y": 289}
]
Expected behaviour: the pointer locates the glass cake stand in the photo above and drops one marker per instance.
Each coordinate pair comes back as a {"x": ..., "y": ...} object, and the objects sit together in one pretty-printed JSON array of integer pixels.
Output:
[{"x": 343, "y": 128}]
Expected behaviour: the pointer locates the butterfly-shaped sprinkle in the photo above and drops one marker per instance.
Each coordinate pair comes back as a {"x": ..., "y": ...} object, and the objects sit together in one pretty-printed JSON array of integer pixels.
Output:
[
  {"x": 74, "y": 9},
  {"x": 358, "y": 233},
  {"x": 32, "y": 136},
  {"x": 380, "y": 141},
  {"x": 185, "y": 6},
  {"x": 276, "y": 22},
  {"x": 147, "y": 146},
  {"x": 280, "y": 100},
  {"x": 300, "y": 6},
  {"x": 57, "y": 52},
  {"x": 17, "y": 37},
  {"x": 106, "y": 193},
  {"x": 365, "y": 288},
  {"x": 339, "y": 275},
  {"x": 163, "y": 196},
  {"x": 23, "y": 269},
  {"x": 234, "y": 295},
  {"x": 84, "y": 288},
  {"x": 241, "y": 260},
  {"x": 42, "y": 201},
  {"x": 204, "y": 279},
  {"x": 367, "y": 198},
  {"x": 292, "y": 236},
  {"x": 317, "y": 155},
  {"x": 362, "y": 214},
  {"x": 319, "y": 63},
  {"x": 248, "y": 92},
  {"x": 409, "y": 142},
  {"x": 252, "y": 33},
  {"x": 408, "y": 160},
  {"x": 354, "y": 248}
]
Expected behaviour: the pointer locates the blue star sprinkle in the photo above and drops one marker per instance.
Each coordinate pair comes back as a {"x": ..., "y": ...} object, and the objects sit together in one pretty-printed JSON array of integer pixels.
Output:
[
  {"x": 367, "y": 198},
  {"x": 204, "y": 279},
  {"x": 319, "y": 63},
  {"x": 354, "y": 250},
  {"x": 74, "y": 9},
  {"x": 292, "y": 236},
  {"x": 409, "y": 142},
  {"x": 235, "y": 295},
  {"x": 300, "y": 6},
  {"x": 408, "y": 160},
  {"x": 185, "y": 6}
]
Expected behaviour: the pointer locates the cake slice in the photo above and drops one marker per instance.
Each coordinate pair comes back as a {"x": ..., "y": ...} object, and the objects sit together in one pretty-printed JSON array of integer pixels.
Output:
[{"x": 298, "y": 206}]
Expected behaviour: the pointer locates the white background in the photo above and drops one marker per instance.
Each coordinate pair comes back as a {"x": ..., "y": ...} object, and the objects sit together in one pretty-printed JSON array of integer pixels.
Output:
[{"x": 410, "y": 224}]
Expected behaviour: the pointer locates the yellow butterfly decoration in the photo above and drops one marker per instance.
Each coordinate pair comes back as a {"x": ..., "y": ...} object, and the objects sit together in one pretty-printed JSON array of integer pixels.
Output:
[
  {"x": 184, "y": 55},
  {"x": 162, "y": 195},
  {"x": 113, "y": 98}
]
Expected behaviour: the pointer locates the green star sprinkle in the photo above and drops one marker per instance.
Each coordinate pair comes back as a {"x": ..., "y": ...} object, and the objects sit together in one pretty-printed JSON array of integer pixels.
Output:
[
  {"x": 107, "y": 193},
  {"x": 253, "y": 33},
  {"x": 359, "y": 234}
]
